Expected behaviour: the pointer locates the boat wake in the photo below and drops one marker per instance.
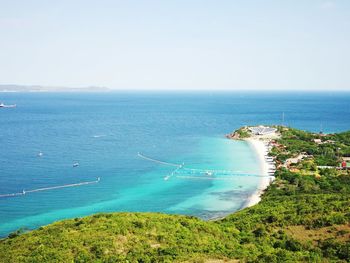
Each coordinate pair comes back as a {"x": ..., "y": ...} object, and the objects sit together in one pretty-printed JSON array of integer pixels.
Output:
[{"x": 99, "y": 135}]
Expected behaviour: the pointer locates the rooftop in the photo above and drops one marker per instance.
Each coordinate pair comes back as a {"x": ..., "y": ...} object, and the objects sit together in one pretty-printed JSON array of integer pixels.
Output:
[{"x": 262, "y": 130}]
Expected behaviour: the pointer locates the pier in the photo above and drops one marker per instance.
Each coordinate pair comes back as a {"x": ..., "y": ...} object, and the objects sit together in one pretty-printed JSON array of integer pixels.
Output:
[
  {"x": 228, "y": 178},
  {"x": 195, "y": 173}
]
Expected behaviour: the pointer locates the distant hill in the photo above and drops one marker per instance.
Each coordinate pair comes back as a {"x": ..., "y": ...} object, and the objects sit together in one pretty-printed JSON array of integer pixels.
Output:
[{"x": 38, "y": 88}]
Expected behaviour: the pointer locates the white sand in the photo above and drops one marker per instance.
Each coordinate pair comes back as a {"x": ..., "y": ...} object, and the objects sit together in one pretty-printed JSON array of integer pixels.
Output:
[{"x": 261, "y": 150}]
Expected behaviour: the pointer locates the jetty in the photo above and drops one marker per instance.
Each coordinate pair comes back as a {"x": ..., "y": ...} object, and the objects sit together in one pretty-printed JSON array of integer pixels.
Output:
[{"x": 184, "y": 172}]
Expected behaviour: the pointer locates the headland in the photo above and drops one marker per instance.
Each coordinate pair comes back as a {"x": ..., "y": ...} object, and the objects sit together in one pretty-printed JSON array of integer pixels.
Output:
[{"x": 261, "y": 140}]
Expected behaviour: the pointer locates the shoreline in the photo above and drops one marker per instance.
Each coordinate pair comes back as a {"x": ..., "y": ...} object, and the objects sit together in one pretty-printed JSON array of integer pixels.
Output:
[{"x": 261, "y": 150}]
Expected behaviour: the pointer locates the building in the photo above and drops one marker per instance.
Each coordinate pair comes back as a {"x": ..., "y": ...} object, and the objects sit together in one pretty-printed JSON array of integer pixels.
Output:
[
  {"x": 318, "y": 141},
  {"x": 295, "y": 160},
  {"x": 262, "y": 130},
  {"x": 345, "y": 164}
]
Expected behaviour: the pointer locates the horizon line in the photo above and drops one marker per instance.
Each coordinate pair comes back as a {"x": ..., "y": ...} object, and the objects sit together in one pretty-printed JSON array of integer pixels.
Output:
[{"x": 102, "y": 88}]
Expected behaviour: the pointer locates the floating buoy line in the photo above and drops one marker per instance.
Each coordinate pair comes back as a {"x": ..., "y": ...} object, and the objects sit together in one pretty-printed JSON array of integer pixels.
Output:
[
  {"x": 183, "y": 172},
  {"x": 24, "y": 192},
  {"x": 157, "y": 161}
]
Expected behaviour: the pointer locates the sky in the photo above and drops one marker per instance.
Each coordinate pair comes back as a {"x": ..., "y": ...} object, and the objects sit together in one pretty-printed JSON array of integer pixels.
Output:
[{"x": 177, "y": 44}]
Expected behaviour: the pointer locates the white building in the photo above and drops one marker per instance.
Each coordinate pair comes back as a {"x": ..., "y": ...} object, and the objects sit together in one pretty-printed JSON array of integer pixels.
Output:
[{"x": 262, "y": 130}]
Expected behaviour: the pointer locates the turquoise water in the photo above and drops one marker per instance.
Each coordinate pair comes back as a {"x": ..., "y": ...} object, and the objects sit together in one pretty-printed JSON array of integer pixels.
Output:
[{"x": 104, "y": 133}]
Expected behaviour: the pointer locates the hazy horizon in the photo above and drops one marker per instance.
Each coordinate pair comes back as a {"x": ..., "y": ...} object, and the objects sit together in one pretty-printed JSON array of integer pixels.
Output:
[
  {"x": 188, "y": 90},
  {"x": 183, "y": 45}
]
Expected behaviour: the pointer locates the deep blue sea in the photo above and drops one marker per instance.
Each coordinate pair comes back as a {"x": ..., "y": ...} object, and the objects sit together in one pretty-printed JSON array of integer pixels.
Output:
[{"x": 103, "y": 133}]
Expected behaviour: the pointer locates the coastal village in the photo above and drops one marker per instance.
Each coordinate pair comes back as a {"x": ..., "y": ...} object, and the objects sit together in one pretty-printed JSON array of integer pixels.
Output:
[{"x": 295, "y": 161}]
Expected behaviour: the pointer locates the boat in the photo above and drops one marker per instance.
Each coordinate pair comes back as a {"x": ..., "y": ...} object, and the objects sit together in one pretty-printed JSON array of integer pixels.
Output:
[
  {"x": 40, "y": 154},
  {"x": 75, "y": 164},
  {"x": 2, "y": 105},
  {"x": 209, "y": 173}
]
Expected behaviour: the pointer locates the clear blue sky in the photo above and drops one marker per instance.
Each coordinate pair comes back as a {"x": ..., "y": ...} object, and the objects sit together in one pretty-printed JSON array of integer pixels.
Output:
[{"x": 183, "y": 44}]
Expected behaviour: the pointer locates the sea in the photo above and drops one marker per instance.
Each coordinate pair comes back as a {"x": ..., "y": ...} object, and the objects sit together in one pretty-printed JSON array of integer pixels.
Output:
[{"x": 67, "y": 155}]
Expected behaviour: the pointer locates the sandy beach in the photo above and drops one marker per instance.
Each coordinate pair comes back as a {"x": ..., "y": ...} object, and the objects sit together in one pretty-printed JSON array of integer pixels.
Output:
[{"x": 261, "y": 150}]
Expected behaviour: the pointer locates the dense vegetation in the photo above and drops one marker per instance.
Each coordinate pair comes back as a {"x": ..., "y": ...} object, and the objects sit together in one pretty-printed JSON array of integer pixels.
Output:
[
  {"x": 325, "y": 153},
  {"x": 304, "y": 217}
]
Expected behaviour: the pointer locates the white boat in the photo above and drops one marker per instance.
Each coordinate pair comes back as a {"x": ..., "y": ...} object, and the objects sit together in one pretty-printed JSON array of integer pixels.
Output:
[
  {"x": 40, "y": 154},
  {"x": 75, "y": 164},
  {"x": 2, "y": 105}
]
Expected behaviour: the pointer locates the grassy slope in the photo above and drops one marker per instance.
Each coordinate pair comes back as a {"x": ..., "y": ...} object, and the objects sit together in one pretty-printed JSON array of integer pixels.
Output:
[
  {"x": 118, "y": 236},
  {"x": 301, "y": 218}
]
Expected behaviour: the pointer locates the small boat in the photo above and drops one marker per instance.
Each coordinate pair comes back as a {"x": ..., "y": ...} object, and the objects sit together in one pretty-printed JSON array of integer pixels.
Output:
[
  {"x": 40, "y": 154},
  {"x": 2, "y": 105},
  {"x": 209, "y": 173},
  {"x": 166, "y": 178},
  {"x": 75, "y": 164}
]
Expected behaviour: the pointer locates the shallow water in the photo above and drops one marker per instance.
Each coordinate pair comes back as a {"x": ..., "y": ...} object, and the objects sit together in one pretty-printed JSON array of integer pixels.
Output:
[{"x": 104, "y": 133}]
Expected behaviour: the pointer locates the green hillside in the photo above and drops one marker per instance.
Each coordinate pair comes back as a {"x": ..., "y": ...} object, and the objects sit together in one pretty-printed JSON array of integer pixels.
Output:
[{"x": 304, "y": 216}]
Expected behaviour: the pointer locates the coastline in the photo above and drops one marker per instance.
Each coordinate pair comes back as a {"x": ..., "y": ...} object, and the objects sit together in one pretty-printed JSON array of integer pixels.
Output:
[{"x": 261, "y": 149}]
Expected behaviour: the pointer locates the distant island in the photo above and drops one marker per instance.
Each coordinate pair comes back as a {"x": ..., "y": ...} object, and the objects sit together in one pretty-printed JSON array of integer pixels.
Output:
[
  {"x": 304, "y": 216},
  {"x": 38, "y": 88}
]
